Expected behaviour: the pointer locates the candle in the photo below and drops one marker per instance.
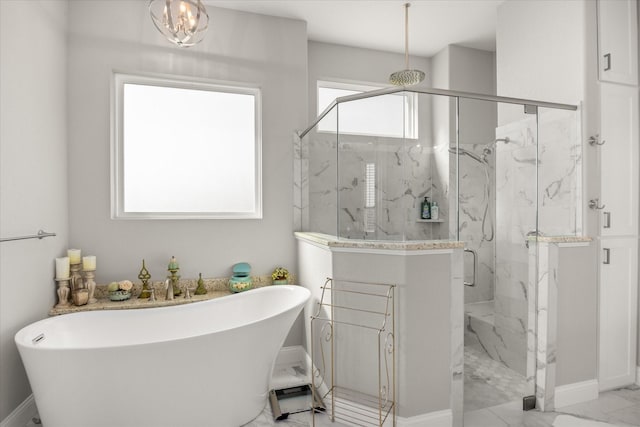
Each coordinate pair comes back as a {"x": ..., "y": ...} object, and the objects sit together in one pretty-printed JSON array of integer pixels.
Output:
[
  {"x": 74, "y": 256},
  {"x": 173, "y": 264},
  {"x": 89, "y": 263},
  {"x": 62, "y": 268}
]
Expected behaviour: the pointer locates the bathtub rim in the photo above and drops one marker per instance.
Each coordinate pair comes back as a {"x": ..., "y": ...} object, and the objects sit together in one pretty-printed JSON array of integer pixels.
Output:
[{"x": 24, "y": 338}]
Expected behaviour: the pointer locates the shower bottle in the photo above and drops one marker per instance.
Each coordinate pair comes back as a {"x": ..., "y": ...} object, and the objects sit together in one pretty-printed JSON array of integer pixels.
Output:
[
  {"x": 434, "y": 210},
  {"x": 425, "y": 211}
]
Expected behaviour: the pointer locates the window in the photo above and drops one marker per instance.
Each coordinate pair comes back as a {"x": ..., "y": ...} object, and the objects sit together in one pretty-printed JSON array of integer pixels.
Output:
[
  {"x": 185, "y": 149},
  {"x": 370, "y": 198},
  {"x": 393, "y": 116}
]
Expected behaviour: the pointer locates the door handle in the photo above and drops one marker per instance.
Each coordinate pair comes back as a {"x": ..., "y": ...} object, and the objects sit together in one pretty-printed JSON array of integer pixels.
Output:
[
  {"x": 607, "y": 256},
  {"x": 607, "y": 58},
  {"x": 475, "y": 267},
  {"x": 607, "y": 220}
]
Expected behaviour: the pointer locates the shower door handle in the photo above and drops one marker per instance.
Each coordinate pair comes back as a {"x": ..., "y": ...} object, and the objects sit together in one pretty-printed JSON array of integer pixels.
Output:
[{"x": 475, "y": 267}]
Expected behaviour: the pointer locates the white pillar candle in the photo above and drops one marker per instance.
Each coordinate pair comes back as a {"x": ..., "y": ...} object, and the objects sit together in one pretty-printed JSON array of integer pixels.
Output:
[
  {"x": 62, "y": 268},
  {"x": 89, "y": 262},
  {"x": 74, "y": 256}
]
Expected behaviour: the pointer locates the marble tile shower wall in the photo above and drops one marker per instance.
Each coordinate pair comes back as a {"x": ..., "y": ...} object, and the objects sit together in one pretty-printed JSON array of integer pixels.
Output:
[
  {"x": 560, "y": 173},
  {"x": 321, "y": 183},
  {"x": 406, "y": 172},
  {"x": 516, "y": 215}
]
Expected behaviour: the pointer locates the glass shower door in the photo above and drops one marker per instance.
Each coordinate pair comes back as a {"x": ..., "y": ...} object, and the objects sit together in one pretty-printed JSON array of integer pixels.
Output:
[{"x": 496, "y": 153}]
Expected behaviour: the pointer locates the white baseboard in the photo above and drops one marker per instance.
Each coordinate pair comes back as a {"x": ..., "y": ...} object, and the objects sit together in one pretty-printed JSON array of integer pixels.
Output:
[
  {"x": 22, "y": 414},
  {"x": 571, "y": 394},
  {"x": 432, "y": 419}
]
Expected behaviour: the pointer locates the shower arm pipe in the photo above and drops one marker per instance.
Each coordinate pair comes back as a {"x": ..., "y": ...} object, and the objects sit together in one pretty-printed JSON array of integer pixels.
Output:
[{"x": 433, "y": 91}]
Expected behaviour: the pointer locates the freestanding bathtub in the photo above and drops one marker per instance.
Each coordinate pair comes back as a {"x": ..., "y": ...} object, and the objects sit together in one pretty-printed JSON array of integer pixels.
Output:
[{"x": 201, "y": 364}]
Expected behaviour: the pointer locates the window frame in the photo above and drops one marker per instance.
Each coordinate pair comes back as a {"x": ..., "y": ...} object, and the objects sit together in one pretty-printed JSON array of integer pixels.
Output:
[
  {"x": 412, "y": 99},
  {"x": 118, "y": 81}
]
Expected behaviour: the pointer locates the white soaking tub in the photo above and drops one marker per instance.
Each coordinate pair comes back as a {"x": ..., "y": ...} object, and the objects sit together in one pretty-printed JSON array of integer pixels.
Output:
[{"x": 201, "y": 364}]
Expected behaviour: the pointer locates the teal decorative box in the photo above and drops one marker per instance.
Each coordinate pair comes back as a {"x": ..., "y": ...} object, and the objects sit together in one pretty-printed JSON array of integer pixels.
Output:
[{"x": 241, "y": 279}]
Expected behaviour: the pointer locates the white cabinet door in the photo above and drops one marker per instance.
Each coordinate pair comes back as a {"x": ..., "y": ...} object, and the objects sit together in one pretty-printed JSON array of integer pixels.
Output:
[
  {"x": 619, "y": 159},
  {"x": 618, "y": 41},
  {"x": 618, "y": 299}
]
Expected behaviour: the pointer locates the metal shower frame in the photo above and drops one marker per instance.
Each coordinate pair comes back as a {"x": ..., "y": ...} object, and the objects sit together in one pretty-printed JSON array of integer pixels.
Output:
[{"x": 433, "y": 91}]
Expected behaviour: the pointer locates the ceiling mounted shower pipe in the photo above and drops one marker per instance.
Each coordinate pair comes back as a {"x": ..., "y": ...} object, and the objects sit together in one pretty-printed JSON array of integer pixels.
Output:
[{"x": 406, "y": 77}]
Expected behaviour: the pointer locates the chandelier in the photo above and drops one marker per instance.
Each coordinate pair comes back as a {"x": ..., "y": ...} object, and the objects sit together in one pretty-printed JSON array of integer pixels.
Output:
[{"x": 183, "y": 22}]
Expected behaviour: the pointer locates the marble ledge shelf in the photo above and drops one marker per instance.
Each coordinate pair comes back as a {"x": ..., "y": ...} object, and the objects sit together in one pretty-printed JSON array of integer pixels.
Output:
[
  {"x": 216, "y": 288},
  {"x": 409, "y": 245}
]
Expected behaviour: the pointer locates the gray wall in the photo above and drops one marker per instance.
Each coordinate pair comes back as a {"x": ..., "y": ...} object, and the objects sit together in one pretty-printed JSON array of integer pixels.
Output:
[
  {"x": 39, "y": 191},
  {"x": 577, "y": 302},
  {"x": 240, "y": 47},
  {"x": 33, "y": 173},
  {"x": 423, "y": 325}
]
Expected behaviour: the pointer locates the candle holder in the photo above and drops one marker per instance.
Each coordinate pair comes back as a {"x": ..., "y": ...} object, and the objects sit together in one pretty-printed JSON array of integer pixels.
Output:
[
  {"x": 144, "y": 276},
  {"x": 173, "y": 289},
  {"x": 89, "y": 275},
  {"x": 76, "y": 277},
  {"x": 64, "y": 293}
]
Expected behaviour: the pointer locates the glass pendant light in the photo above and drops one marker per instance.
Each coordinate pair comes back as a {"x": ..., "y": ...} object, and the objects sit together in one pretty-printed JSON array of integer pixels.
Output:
[
  {"x": 407, "y": 76},
  {"x": 183, "y": 22}
]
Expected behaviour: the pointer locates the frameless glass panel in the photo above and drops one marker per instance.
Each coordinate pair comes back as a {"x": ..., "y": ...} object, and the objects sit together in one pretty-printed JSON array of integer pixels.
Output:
[
  {"x": 320, "y": 160},
  {"x": 560, "y": 172},
  {"x": 382, "y": 180}
]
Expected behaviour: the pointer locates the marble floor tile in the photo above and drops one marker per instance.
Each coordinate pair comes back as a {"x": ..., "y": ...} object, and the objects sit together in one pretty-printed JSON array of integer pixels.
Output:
[
  {"x": 512, "y": 414},
  {"x": 631, "y": 393},
  {"x": 620, "y": 408},
  {"x": 572, "y": 421},
  {"x": 483, "y": 418},
  {"x": 629, "y": 415},
  {"x": 488, "y": 382},
  {"x": 303, "y": 419},
  {"x": 598, "y": 409}
]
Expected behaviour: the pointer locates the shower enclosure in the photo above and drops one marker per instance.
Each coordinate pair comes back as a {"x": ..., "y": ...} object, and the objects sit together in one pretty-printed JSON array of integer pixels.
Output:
[{"x": 501, "y": 170}]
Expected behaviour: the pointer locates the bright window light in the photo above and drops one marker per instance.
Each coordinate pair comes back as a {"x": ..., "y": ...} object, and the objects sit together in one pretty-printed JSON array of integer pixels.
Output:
[
  {"x": 393, "y": 116},
  {"x": 185, "y": 150}
]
